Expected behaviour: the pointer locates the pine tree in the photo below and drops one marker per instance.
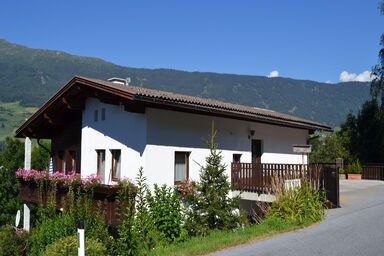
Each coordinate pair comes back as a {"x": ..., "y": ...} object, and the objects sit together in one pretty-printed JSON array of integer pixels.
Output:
[{"x": 212, "y": 206}]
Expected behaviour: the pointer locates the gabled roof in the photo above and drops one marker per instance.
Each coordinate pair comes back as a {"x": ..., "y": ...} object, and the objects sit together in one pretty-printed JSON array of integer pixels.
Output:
[{"x": 70, "y": 99}]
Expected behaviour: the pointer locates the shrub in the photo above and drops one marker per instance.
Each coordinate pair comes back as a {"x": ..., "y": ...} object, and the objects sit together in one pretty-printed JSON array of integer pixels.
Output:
[
  {"x": 13, "y": 242},
  {"x": 133, "y": 232},
  {"x": 81, "y": 207},
  {"x": 304, "y": 204},
  {"x": 10, "y": 159},
  {"x": 68, "y": 246},
  {"x": 354, "y": 168},
  {"x": 51, "y": 230},
  {"x": 165, "y": 213}
]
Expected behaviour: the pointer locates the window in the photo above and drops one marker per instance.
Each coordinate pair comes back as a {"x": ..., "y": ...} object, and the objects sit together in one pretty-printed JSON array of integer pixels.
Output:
[
  {"x": 236, "y": 158},
  {"x": 70, "y": 162},
  {"x": 102, "y": 114},
  {"x": 60, "y": 161},
  {"x": 101, "y": 164},
  {"x": 181, "y": 166},
  {"x": 116, "y": 163},
  {"x": 96, "y": 115}
]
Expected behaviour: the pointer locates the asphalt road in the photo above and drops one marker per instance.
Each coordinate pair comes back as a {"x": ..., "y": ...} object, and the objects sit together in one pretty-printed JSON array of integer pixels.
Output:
[{"x": 355, "y": 229}]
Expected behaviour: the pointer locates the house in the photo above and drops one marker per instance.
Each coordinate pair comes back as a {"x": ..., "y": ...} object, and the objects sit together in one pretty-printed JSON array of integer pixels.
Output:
[{"x": 112, "y": 128}]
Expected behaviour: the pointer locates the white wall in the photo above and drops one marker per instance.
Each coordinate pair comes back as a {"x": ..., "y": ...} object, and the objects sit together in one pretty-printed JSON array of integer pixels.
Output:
[
  {"x": 170, "y": 131},
  {"x": 120, "y": 130},
  {"x": 151, "y": 139}
]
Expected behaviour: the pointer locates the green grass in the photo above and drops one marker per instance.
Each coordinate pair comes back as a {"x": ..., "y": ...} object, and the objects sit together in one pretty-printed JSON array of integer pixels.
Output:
[
  {"x": 219, "y": 240},
  {"x": 12, "y": 115}
]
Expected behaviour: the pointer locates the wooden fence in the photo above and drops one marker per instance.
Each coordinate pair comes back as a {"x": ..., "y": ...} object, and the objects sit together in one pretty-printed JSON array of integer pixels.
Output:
[
  {"x": 372, "y": 171},
  {"x": 259, "y": 178}
]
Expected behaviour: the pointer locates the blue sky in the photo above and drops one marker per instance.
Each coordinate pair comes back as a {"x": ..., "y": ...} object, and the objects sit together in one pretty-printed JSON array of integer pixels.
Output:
[{"x": 315, "y": 40}]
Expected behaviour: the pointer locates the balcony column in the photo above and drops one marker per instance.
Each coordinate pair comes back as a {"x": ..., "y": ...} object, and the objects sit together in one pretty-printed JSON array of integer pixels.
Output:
[
  {"x": 27, "y": 166},
  {"x": 27, "y": 153}
]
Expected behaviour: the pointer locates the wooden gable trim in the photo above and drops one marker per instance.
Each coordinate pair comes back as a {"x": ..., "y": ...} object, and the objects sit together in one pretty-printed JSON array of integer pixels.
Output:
[{"x": 81, "y": 86}]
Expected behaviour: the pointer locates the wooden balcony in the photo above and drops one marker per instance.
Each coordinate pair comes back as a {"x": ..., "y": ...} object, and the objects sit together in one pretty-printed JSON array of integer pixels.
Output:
[
  {"x": 258, "y": 178},
  {"x": 103, "y": 195}
]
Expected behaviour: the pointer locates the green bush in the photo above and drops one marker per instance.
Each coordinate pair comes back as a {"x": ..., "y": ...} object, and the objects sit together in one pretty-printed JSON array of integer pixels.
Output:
[
  {"x": 13, "y": 243},
  {"x": 51, "y": 230},
  {"x": 354, "y": 168},
  {"x": 304, "y": 204},
  {"x": 134, "y": 232},
  {"x": 81, "y": 207},
  {"x": 52, "y": 226},
  {"x": 165, "y": 212},
  {"x": 68, "y": 246},
  {"x": 10, "y": 159}
]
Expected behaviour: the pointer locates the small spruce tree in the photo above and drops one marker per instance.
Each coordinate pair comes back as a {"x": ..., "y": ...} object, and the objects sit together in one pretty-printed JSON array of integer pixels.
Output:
[{"x": 211, "y": 206}]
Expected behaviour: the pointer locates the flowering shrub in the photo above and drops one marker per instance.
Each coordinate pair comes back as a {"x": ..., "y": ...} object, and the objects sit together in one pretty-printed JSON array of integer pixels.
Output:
[{"x": 186, "y": 188}]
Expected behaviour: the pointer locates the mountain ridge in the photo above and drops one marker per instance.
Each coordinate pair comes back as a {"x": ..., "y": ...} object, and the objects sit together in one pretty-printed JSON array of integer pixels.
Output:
[{"x": 32, "y": 76}]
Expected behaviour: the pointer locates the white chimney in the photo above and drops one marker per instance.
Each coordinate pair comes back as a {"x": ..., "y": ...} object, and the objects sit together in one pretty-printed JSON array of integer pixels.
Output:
[{"x": 121, "y": 81}]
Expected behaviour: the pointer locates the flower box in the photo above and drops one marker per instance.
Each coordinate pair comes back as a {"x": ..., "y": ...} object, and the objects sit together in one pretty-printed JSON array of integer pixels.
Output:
[{"x": 37, "y": 185}]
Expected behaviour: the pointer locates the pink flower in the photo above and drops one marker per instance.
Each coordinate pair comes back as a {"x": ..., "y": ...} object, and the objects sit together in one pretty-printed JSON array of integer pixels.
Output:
[
  {"x": 91, "y": 181},
  {"x": 57, "y": 177},
  {"x": 32, "y": 175},
  {"x": 124, "y": 181}
]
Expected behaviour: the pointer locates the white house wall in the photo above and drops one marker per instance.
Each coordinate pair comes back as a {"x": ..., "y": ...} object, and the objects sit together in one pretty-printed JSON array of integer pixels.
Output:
[
  {"x": 150, "y": 140},
  {"x": 120, "y": 130},
  {"x": 170, "y": 131}
]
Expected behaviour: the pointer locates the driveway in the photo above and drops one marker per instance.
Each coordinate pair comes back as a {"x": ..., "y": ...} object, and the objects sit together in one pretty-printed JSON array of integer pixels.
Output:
[{"x": 357, "y": 228}]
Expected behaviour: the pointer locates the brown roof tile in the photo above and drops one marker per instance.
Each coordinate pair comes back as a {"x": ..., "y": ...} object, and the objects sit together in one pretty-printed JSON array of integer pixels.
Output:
[
  {"x": 169, "y": 100},
  {"x": 141, "y": 93}
]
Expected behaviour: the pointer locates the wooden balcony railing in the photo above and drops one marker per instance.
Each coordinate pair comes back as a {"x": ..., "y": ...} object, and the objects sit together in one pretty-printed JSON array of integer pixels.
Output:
[
  {"x": 104, "y": 195},
  {"x": 256, "y": 177}
]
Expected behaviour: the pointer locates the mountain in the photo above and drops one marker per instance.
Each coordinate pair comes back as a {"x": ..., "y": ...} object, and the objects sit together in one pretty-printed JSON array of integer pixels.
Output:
[{"x": 31, "y": 76}]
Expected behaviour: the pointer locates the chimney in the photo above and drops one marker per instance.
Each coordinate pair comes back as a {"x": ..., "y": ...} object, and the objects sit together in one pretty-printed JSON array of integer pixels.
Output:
[{"x": 121, "y": 81}]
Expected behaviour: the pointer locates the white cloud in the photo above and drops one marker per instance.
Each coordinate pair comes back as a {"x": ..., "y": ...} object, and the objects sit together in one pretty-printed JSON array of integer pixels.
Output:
[
  {"x": 273, "y": 73},
  {"x": 328, "y": 82},
  {"x": 365, "y": 76}
]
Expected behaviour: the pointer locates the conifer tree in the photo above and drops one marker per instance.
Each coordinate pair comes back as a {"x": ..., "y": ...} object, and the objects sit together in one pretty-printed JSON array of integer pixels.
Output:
[{"x": 212, "y": 206}]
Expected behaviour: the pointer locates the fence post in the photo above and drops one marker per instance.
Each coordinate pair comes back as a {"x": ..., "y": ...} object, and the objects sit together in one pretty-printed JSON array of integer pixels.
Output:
[
  {"x": 80, "y": 238},
  {"x": 26, "y": 218}
]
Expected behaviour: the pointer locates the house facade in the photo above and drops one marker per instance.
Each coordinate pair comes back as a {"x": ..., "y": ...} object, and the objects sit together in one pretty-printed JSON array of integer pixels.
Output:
[{"x": 112, "y": 130}]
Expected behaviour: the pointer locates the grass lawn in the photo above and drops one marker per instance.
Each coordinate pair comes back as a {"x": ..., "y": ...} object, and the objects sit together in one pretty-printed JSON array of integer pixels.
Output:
[
  {"x": 12, "y": 115},
  {"x": 219, "y": 240}
]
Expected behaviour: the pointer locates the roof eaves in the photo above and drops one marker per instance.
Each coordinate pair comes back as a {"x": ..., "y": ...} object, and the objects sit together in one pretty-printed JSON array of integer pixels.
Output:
[{"x": 231, "y": 112}]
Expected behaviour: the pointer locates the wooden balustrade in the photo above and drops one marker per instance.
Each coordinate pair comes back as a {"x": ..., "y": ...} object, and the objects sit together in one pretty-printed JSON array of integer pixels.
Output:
[
  {"x": 257, "y": 177},
  {"x": 104, "y": 196}
]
